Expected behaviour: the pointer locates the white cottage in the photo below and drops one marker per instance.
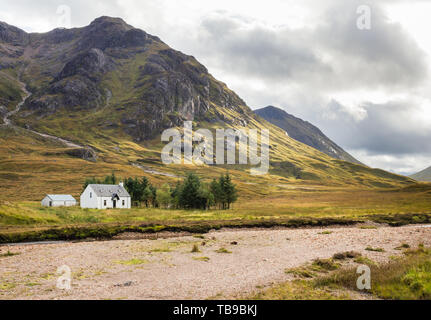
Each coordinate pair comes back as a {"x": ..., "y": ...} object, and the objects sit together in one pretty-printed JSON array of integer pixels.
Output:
[
  {"x": 105, "y": 196},
  {"x": 58, "y": 200}
]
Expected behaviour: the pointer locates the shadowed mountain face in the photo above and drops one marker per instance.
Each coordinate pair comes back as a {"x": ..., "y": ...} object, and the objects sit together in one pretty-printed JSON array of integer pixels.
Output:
[
  {"x": 112, "y": 89},
  {"x": 424, "y": 175},
  {"x": 79, "y": 70},
  {"x": 304, "y": 132}
]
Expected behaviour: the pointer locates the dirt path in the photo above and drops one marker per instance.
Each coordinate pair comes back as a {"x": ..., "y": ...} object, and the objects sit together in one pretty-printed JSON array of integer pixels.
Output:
[
  {"x": 166, "y": 268},
  {"x": 152, "y": 171},
  {"x": 27, "y": 94}
]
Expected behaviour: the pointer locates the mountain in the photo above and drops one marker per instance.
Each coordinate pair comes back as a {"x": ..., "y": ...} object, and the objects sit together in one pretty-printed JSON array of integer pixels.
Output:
[
  {"x": 152, "y": 86},
  {"x": 424, "y": 175},
  {"x": 87, "y": 101},
  {"x": 304, "y": 132}
]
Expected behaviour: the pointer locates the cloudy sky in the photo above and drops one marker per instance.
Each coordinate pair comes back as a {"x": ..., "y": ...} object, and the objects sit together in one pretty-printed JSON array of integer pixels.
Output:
[{"x": 369, "y": 90}]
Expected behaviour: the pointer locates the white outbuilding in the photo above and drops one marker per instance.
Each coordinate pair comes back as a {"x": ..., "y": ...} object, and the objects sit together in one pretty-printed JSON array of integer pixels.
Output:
[
  {"x": 105, "y": 196},
  {"x": 58, "y": 200}
]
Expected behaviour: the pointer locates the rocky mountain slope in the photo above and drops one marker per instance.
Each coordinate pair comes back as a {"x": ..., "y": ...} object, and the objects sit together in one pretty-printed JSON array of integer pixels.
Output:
[
  {"x": 79, "y": 70},
  {"x": 99, "y": 97},
  {"x": 304, "y": 132},
  {"x": 424, "y": 175}
]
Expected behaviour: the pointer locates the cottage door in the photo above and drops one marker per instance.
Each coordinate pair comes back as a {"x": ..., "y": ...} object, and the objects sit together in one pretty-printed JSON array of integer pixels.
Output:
[{"x": 114, "y": 203}]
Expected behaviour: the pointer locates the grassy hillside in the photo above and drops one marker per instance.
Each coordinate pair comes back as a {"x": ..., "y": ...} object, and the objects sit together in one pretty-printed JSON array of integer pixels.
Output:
[{"x": 112, "y": 89}]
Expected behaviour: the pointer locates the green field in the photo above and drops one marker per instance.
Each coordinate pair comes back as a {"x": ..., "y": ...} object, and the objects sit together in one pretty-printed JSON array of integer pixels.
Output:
[{"x": 22, "y": 221}]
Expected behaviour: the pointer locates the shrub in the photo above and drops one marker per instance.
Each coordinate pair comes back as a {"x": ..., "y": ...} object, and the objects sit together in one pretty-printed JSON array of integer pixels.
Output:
[
  {"x": 223, "y": 250},
  {"x": 346, "y": 255},
  {"x": 375, "y": 249}
]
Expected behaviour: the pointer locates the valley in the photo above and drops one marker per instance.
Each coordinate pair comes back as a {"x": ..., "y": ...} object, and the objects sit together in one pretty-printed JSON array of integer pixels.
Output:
[{"x": 91, "y": 101}]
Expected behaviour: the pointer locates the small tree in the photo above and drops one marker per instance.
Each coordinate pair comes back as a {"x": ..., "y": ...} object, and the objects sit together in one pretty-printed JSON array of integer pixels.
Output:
[
  {"x": 205, "y": 198},
  {"x": 153, "y": 196},
  {"x": 222, "y": 194},
  {"x": 164, "y": 198},
  {"x": 146, "y": 192},
  {"x": 134, "y": 187},
  {"x": 189, "y": 197},
  {"x": 112, "y": 179},
  {"x": 216, "y": 192},
  {"x": 89, "y": 181},
  {"x": 229, "y": 190},
  {"x": 176, "y": 194}
]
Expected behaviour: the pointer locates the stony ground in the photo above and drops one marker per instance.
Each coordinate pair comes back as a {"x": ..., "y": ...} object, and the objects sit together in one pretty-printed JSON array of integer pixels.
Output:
[{"x": 166, "y": 268}]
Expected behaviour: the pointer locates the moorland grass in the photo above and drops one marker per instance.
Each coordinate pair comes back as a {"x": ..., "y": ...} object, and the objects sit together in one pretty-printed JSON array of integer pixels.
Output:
[
  {"x": 29, "y": 221},
  {"x": 406, "y": 278}
]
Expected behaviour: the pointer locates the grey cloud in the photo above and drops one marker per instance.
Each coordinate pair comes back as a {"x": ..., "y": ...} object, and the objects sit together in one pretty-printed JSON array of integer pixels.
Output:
[
  {"x": 333, "y": 55},
  {"x": 260, "y": 52},
  {"x": 385, "y": 56},
  {"x": 392, "y": 128}
]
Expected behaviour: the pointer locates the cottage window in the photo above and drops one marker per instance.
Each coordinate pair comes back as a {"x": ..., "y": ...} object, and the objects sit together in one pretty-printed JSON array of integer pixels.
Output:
[
  {"x": 104, "y": 203},
  {"x": 91, "y": 195},
  {"x": 123, "y": 203}
]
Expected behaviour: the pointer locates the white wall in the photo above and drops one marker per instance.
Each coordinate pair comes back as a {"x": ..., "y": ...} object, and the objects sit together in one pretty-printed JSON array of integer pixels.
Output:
[
  {"x": 110, "y": 204},
  {"x": 63, "y": 203},
  {"x": 95, "y": 202},
  {"x": 46, "y": 201},
  {"x": 89, "y": 199}
]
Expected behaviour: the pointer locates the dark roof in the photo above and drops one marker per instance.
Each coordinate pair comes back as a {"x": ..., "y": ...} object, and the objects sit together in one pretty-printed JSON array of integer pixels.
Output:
[{"x": 108, "y": 190}]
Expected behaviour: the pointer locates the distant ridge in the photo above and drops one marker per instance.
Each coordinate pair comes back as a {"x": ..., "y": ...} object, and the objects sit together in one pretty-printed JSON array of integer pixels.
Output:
[
  {"x": 424, "y": 175},
  {"x": 304, "y": 132}
]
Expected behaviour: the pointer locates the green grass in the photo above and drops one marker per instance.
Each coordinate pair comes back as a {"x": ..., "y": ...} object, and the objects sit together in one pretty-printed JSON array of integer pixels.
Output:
[
  {"x": 406, "y": 278},
  {"x": 132, "y": 262},
  {"x": 364, "y": 260},
  {"x": 403, "y": 246},
  {"x": 223, "y": 250},
  {"x": 375, "y": 249},
  {"x": 35, "y": 223},
  {"x": 324, "y": 265},
  {"x": 368, "y": 227},
  {"x": 326, "y": 232},
  {"x": 9, "y": 254},
  {"x": 318, "y": 266},
  {"x": 163, "y": 249},
  {"x": 195, "y": 249},
  {"x": 346, "y": 255},
  {"x": 204, "y": 259},
  {"x": 298, "y": 290}
]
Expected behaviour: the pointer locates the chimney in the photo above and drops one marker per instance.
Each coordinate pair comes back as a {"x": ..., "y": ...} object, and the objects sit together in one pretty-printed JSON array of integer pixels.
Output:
[{"x": 121, "y": 184}]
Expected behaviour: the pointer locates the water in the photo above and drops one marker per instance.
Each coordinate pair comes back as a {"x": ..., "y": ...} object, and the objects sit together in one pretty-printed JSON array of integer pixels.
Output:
[{"x": 30, "y": 243}]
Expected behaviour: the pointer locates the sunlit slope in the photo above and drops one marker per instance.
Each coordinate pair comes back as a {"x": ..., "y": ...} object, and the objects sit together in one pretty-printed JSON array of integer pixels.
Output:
[{"x": 113, "y": 89}]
